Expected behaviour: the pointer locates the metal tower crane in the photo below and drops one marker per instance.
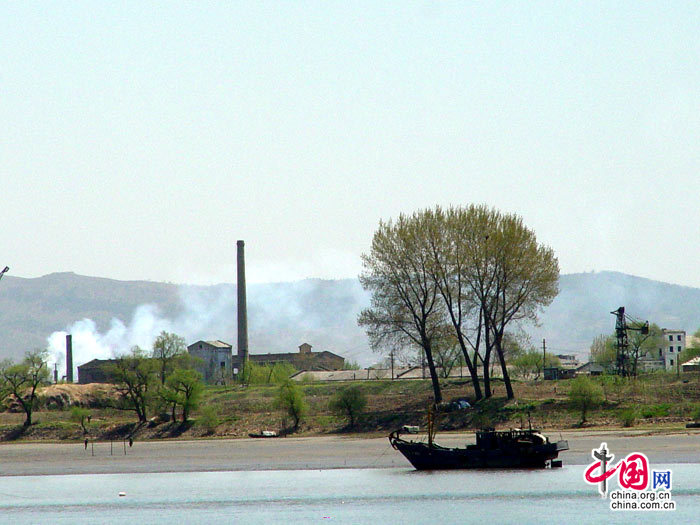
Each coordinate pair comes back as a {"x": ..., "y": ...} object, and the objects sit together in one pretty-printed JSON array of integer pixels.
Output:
[
  {"x": 4, "y": 271},
  {"x": 622, "y": 361}
]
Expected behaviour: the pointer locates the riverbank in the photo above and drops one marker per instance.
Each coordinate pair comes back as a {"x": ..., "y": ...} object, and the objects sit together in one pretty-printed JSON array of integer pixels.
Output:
[
  {"x": 299, "y": 453},
  {"x": 653, "y": 402}
]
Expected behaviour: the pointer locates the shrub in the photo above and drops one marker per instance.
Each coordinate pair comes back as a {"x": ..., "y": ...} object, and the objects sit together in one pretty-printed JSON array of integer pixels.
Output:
[
  {"x": 660, "y": 410},
  {"x": 290, "y": 398},
  {"x": 584, "y": 394},
  {"x": 80, "y": 415},
  {"x": 208, "y": 418},
  {"x": 628, "y": 417},
  {"x": 277, "y": 373},
  {"x": 350, "y": 402},
  {"x": 696, "y": 413}
]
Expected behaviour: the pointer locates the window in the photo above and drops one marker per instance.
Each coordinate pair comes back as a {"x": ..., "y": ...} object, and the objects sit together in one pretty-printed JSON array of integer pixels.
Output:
[
  {"x": 679, "y": 348},
  {"x": 670, "y": 349},
  {"x": 679, "y": 337},
  {"x": 223, "y": 364},
  {"x": 660, "y": 353},
  {"x": 670, "y": 338},
  {"x": 671, "y": 362}
]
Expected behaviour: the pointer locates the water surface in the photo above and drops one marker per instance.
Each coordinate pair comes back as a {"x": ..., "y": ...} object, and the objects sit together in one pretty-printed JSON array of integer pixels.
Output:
[{"x": 339, "y": 496}]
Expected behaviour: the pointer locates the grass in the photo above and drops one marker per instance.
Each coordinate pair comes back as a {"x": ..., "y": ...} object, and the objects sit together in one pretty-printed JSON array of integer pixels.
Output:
[{"x": 653, "y": 401}]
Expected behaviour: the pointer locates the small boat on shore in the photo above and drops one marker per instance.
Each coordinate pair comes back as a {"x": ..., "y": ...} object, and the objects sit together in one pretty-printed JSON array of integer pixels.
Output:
[
  {"x": 264, "y": 434},
  {"x": 493, "y": 449}
]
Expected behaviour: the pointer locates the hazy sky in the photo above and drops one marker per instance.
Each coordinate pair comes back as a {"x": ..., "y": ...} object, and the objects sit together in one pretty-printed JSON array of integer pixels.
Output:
[{"x": 141, "y": 140}]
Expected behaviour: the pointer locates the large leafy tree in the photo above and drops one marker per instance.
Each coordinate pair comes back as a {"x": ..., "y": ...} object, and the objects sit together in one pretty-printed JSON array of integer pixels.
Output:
[
  {"x": 446, "y": 233},
  {"x": 472, "y": 268},
  {"x": 524, "y": 277},
  {"x": 22, "y": 380},
  {"x": 404, "y": 304}
]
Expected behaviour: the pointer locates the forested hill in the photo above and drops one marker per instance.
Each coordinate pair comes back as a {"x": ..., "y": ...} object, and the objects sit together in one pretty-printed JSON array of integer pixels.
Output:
[{"x": 321, "y": 312}]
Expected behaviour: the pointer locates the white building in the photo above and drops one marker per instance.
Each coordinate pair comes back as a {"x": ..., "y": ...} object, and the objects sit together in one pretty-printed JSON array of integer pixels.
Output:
[
  {"x": 666, "y": 356},
  {"x": 674, "y": 345}
]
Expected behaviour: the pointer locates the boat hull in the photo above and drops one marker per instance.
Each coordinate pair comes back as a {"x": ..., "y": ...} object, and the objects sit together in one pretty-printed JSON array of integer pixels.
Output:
[{"x": 425, "y": 457}]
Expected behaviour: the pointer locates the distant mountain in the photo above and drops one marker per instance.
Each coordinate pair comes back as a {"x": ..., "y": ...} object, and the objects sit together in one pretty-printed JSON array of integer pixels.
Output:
[
  {"x": 284, "y": 315},
  {"x": 582, "y": 309}
]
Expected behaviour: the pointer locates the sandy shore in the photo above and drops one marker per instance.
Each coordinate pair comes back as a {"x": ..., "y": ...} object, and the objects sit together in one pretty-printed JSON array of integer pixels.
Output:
[{"x": 324, "y": 452}]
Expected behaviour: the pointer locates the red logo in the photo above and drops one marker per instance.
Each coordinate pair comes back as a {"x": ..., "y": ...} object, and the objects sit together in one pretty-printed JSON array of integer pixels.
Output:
[{"x": 633, "y": 471}]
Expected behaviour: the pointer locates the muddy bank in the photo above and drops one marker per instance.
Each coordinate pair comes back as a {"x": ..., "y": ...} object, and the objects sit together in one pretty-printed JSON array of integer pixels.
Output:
[{"x": 326, "y": 452}]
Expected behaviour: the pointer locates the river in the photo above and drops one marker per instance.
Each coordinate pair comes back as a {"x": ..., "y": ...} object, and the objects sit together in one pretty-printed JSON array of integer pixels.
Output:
[{"x": 387, "y": 495}]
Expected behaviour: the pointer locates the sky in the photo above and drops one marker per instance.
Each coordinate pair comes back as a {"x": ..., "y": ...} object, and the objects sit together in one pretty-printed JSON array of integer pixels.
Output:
[{"x": 141, "y": 140}]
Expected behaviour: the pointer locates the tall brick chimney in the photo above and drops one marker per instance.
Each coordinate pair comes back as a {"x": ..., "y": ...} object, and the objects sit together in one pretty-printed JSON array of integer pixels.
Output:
[
  {"x": 242, "y": 308},
  {"x": 69, "y": 358}
]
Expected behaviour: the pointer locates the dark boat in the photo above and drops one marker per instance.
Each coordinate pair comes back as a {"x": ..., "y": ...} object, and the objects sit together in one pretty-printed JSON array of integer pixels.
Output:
[
  {"x": 264, "y": 434},
  {"x": 493, "y": 449}
]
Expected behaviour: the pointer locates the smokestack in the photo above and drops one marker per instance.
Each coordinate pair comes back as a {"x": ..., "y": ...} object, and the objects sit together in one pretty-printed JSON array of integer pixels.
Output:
[
  {"x": 242, "y": 309},
  {"x": 69, "y": 358}
]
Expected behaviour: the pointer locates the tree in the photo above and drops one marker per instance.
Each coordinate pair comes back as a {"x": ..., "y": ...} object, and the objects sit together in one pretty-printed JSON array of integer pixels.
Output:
[
  {"x": 689, "y": 354},
  {"x": 166, "y": 348},
  {"x": 642, "y": 344},
  {"x": 516, "y": 344},
  {"x": 351, "y": 365},
  {"x": 135, "y": 374},
  {"x": 530, "y": 364},
  {"x": 404, "y": 306},
  {"x": 184, "y": 388},
  {"x": 349, "y": 402},
  {"x": 521, "y": 277},
  {"x": 22, "y": 380},
  {"x": 603, "y": 351},
  {"x": 445, "y": 238},
  {"x": 585, "y": 394},
  {"x": 291, "y": 399},
  {"x": 473, "y": 269},
  {"x": 446, "y": 355},
  {"x": 80, "y": 415},
  {"x": 693, "y": 349}
]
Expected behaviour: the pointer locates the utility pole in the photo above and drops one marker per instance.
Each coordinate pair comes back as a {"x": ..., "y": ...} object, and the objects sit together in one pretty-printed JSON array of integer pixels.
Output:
[
  {"x": 544, "y": 356},
  {"x": 392, "y": 363}
]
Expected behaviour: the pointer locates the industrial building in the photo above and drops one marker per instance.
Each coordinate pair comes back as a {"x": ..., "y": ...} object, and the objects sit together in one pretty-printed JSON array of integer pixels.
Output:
[
  {"x": 96, "y": 371},
  {"x": 218, "y": 364}
]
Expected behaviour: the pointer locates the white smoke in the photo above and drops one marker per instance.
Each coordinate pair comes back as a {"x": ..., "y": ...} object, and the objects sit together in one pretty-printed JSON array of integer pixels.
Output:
[
  {"x": 89, "y": 343},
  {"x": 281, "y": 317}
]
